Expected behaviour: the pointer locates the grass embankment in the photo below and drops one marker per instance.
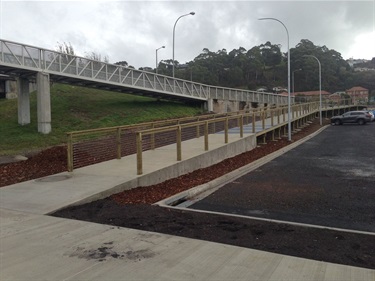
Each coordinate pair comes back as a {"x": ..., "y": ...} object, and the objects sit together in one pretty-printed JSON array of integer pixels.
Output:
[{"x": 76, "y": 108}]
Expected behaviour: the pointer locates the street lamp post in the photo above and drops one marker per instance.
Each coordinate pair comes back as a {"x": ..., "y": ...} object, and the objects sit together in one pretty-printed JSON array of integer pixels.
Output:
[
  {"x": 156, "y": 68},
  {"x": 174, "y": 28},
  {"x": 289, "y": 108},
  {"x": 293, "y": 78},
  {"x": 320, "y": 87}
]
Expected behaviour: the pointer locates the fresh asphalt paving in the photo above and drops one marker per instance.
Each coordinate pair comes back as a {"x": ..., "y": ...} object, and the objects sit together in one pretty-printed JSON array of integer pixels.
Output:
[{"x": 329, "y": 180}]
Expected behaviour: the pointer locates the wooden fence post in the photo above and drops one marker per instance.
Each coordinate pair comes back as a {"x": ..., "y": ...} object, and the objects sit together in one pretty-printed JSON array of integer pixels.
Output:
[
  {"x": 70, "y": 153},
  {"x": 118, "y": 142},
  {"x": 139, "y": 153},
  {"x": 226, "y": 125},
  {"x": 206, "y": 136},
  {"x": 179, "y": 151}
]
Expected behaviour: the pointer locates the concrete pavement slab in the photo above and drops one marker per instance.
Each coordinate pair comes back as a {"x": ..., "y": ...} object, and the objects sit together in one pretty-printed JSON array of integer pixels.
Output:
[{"x": 39, "y": 247}]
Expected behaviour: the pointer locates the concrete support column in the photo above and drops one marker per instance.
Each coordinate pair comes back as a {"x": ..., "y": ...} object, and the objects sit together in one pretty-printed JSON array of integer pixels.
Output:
[
  {"x": 210, "y": 105},
  {"x": 23, "y": 101},
  {"x": 43, "y": 103},
  {"x": 11, "y": 89}
]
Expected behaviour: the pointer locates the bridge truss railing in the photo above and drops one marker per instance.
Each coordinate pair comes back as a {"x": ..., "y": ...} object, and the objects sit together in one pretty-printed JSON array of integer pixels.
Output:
[{"x": 30, "y": 58}]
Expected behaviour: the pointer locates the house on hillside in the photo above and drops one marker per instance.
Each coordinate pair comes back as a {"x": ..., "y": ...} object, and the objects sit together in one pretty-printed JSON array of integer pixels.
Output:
[
  {"x": 279, "y": 89},
  {"x": 359, "y": 95},
  {"x": 262, "y": 89},
  {"x": 311, "y": 96},
  {"x": 285, "y": 94},
  {"x": 337, "y": 98}
]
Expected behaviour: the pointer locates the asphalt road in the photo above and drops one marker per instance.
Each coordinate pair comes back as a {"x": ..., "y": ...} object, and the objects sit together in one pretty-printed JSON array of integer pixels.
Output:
[{"x": 328, "y": 180}]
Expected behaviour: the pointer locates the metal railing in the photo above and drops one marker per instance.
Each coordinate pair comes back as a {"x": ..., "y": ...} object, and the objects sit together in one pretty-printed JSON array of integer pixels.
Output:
[{"x": 16, "y": 57}]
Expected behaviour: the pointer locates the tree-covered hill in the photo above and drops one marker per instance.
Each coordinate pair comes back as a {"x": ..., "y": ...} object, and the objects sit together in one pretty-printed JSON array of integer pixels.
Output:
[{"x": 266, "y": 66}]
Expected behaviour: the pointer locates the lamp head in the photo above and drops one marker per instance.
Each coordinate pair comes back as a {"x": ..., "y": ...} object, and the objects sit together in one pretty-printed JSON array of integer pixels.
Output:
[{"x": 192, "y": 13}]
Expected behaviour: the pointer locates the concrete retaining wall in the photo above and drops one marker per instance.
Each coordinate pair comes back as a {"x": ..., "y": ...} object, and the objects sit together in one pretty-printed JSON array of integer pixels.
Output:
[
  {"x": 203, "y": 160},
  {"x": 200, "y": 160}
]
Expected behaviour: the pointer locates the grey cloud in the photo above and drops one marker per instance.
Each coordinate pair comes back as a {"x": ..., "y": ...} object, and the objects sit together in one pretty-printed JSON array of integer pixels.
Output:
[{"x": 132, "y": 30}]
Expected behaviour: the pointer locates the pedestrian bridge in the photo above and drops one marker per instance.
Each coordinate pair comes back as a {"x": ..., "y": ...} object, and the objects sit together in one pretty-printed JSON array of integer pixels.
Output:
[
  {"x": 29, "y": 63},
  {"x": 26, "y": 61}
]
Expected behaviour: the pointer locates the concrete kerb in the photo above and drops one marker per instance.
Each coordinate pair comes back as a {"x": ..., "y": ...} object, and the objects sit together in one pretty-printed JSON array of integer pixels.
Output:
[
  {"x": 194, "y": 194},
  {"x": 274, "y": 221}
]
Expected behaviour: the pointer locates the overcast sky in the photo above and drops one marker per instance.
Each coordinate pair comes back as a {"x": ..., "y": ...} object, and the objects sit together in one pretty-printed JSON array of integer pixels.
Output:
[{"x": 133, "y": 30}]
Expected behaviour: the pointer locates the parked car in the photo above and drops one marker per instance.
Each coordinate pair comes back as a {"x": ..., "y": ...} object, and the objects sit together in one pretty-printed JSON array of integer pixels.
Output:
[
  {"x": 360, "y": 117},
  {"x": 372, "y": 112}
]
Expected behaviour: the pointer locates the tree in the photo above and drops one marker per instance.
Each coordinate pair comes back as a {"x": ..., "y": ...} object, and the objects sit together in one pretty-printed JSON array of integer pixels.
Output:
[
  {"x": 266, "y": 65},
  {"x": 253, "y": 67},
  {"x": 271, "y": 54},
  {"x": 123, "y": 63},
  {"x": 96, "y": 57},
  {"x": 335, "y": 70},
  {"x": 65, "y": 48}
]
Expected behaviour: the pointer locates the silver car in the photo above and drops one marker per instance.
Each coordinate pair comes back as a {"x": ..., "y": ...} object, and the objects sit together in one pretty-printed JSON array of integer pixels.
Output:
[
  {"x": 360, "y": 117},
  {"x": 372, "y": 113}
]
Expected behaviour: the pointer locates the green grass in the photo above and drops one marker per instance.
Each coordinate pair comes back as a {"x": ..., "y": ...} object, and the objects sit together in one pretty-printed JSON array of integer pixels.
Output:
[{"x": 77, "y": 108}]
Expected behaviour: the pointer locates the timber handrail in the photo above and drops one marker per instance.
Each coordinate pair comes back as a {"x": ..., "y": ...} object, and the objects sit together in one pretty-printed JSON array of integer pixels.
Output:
[
  {"x": 277, "y": 115},
  {"x": 178, "y": 129}
]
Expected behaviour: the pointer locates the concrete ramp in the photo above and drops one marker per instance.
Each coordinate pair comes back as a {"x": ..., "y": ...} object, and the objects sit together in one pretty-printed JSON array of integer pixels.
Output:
[{"x": 48, "y": 194}]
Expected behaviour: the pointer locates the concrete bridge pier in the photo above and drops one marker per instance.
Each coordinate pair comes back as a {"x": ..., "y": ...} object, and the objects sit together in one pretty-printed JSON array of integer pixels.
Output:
[
  {"x": 43, "y": 103},
  {"x": 23, "y": 101},
  {"x": 225, "y": 106},
  {"x": 209, "y": 105}
]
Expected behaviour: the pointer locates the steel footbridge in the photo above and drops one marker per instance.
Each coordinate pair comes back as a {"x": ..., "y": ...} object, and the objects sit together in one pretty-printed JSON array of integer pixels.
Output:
[{"x": 20, "y": 60}]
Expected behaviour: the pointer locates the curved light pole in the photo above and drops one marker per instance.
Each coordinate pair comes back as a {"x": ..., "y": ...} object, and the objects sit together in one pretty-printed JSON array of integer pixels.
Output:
[
  {"x": 156, "y": 68},
  {"x": 289, "y": 109},
  {"x": 174, "y": 28},
  {"x": 293, "y": 78},
  {"x": 320, "y": 87}
]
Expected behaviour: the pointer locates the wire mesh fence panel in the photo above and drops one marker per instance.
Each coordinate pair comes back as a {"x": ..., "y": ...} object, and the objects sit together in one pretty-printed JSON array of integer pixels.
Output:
[
  {"x": 128, "y": 143},
  {"x": 94, "y": 149},
  {"x": 165, "y": 138}
]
